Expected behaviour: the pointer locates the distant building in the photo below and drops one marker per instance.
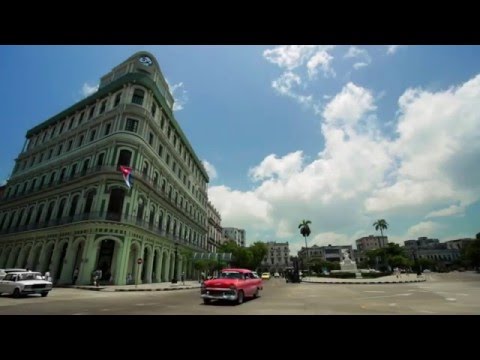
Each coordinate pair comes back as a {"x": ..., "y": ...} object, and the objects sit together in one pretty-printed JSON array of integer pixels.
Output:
[
  {"x": 277, "y": 258},
  {"x": 422, "y": 242},
  {"x": 458, "y": 243},
  {"x": 371, "y": 242},
  {"x": 328, "y": 253},
  {"x": 236, "y": 235},
  {"x": 215, "y": 233}
]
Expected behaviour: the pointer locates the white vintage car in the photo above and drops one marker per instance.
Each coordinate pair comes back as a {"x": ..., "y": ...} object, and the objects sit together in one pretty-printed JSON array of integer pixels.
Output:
[{"x": 24, "y": 283}]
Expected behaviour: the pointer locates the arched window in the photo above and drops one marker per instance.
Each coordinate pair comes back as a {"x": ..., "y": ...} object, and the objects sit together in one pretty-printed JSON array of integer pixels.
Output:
[
  {"x": 155, "y": 178},
  {"x": 141, "y": 207},
  {"x": 19, "y": 219},
  {"x": 152, "y": 216},
  {"x": 85, "y": 166},
  {"x": 73, "y": 206},
  {"x": 138, "y": 96},
  {"x": 89, "y": 202},
  {"x": 124, "y": 158},
  {"x": 49, "y": 211},
  {"x": 145, "y": 169},
  {"x": 52, "y": 178},
  {"x": 39, "y": 214},
  {"x": 60, "y": 209},
  {"x": 117, "y": 99},
  {"x": 160, "y": 220}
]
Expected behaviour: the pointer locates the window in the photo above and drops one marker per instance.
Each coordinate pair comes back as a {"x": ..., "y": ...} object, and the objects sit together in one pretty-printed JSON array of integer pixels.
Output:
[
  {"x": 73, "y": 170},
  {"x": 153, "y": 109},
  {"x": 59, "y": 151},
  {"x": 174, "y": 166},
  {"x": 103, "y": 106},
  {"x": 138, "y": 96},
  {"x": 52, "y": 178},
  {"x": 92, "y": 135},
  {"x": 61, "y": 128},
  {"x": 168, "y": 159},
  {"x": 42, "y": 181},
  {"x": 80, "y": 119},
  {"x": 92, "y": 111},
  {"x": 117, "y": 99},
  {"x": 71, "y": 123},
  {"x": 80, "y": 141},
  {"x": 131, "y": 125},
  {"x": 124, "y": 158},
  {"x": 162, "y": 122},
  {"x": 160, "y": 150},
  {"x": 108, "y": 127},
  {"x": 169, "y": 131},
  {"x": 85, "y": 166},
  {"x": 100, "y": 159},
  {"x": 150, "y": 139},
  {"x": 174, "y": 140}
]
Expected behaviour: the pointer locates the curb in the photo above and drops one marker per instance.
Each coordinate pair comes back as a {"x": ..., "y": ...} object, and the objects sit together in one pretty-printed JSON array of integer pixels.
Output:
[
  {"x": 364, "y": 283},
  {"x": 164, "y": 289}
]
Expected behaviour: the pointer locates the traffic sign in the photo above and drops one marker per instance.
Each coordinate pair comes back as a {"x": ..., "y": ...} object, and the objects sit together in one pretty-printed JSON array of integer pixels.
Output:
[{"x": 139, "y": 261}]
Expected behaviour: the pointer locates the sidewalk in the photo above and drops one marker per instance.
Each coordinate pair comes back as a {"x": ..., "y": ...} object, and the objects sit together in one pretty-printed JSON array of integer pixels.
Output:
[
  {"x": 391, "y": 279},
  {"x": 163, "y": 286}
]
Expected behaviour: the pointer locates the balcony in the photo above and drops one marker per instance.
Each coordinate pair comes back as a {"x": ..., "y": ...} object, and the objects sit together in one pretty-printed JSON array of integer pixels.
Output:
[{"x": 108, "y": 217}]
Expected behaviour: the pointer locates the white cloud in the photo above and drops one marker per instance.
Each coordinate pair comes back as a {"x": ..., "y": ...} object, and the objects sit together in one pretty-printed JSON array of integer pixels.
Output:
[
  {"x": 449, "y": 211},
  {"x": 359, "y": 176},
  {"x": 179, "y": 94},
  {"x": 362, "y": 54},
  {"x": 292, "y": 56},
  {"x": 286, "y": 82},
  {"x": 282, "y": 168},
  {"x": 323, "y": 60},
  {"x": 240, "y": 209},
  {"x": 437, "y": 150},
  {"x": 349, "y": 105},
  {"x": 211, "y": 171},
  {"x": 4, "y": 182},
  {"x": 359, "y": 65},
  {"x": 392, "y": 49},
  {"x": 425, "y": 228},
  {"x": 88, "y": 90}
]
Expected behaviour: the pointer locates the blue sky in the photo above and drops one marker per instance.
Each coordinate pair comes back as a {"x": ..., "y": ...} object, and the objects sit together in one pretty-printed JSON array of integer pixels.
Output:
[{"x": 340, "y": 135}]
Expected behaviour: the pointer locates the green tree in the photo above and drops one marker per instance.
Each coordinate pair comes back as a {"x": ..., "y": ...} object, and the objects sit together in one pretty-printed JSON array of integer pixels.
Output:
[
  {"x": 258, "y": 250},
  {"x": 305, "y": 231},
  {"x": 381, "y": 225},
  {"x": 472, "y": 253}
]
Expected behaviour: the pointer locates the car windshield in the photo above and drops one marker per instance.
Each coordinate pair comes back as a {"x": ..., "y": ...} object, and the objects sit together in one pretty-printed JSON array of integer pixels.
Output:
[
  {"x": 231, "y": 275},
  {"x": 30, "y": 276}
]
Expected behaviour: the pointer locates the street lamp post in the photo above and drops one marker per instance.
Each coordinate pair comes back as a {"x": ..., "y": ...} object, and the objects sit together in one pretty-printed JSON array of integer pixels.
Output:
[{"x": 174, "y": 280}]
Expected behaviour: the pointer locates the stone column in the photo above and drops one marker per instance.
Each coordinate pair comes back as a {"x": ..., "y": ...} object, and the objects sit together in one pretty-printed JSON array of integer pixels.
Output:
[
  {"x": 159, "y": 269},
  {"x": 149, "y": 267},
  {"x": 66, "y": 277},
  {"x": 88, "y": 261}
]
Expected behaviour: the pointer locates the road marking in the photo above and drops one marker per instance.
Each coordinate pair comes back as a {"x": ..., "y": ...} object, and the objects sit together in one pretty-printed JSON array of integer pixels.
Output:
[
  {"x": 386, "y": 296},
  {"x": 140, "y": 304},
  {"x": 451, "y": 299},
  {"x": 373, "y": 291},
  {"x": 426, "y": 311},
  {"x": 80, "y": 314},
  {"x": 392, "y": 304}
]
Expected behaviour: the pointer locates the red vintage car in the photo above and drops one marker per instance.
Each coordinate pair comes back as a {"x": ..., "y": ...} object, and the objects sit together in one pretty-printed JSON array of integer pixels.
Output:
[{"x": 232, "y": 285}]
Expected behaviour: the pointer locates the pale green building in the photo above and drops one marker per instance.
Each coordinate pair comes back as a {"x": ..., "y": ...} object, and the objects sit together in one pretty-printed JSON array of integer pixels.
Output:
[{"x": 67, "y": 205}]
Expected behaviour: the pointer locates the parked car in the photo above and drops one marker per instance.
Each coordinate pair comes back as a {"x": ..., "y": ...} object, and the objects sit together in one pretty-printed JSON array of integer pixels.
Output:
[
  {"x": 277, "y": 275},
  {"x": 4, "y": 272},
  {"x": 232, "y": 285},
  {"x": 24, "y": 283},
  {"x": 266, "y": 276}
]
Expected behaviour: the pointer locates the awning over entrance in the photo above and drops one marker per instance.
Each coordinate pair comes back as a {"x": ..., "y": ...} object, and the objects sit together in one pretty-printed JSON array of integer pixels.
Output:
[{"x": 212, "y": 256}]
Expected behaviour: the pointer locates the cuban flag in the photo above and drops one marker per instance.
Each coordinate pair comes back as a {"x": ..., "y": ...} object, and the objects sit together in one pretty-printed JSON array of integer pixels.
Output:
[{"x": 127, "y": 175}]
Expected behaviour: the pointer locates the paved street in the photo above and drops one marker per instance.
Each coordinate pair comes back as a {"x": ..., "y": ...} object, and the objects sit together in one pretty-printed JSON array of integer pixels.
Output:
[{"x": 455, "y": 293}]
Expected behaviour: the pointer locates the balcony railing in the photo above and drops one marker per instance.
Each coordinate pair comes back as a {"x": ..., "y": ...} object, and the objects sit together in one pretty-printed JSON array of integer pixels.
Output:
[
  {"x": 112, "y": 217},
  {"x": 137, "y": 174}
]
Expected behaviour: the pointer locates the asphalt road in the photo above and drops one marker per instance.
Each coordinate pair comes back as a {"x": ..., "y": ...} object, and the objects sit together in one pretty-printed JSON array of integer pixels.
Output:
[{"x": 455, "y": 293}]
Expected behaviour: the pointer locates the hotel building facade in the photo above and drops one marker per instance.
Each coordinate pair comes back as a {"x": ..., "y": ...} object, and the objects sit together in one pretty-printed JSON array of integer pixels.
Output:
[{"x": 67, "y": 205}]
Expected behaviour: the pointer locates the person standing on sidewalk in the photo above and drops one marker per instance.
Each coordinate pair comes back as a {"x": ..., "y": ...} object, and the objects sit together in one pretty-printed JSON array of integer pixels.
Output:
[
  {"x": 75, "y": 276},
  {"x": 182, "y": 277}
]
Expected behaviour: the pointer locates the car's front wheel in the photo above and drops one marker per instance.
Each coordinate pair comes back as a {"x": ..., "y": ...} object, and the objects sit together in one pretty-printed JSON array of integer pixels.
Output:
[
  {"x": 255, "y": 294},
  {"x": 45, "y": 293},
  {"x": 240, "y": 297},
  {"x": 206, "y": 301},
  {"x": 16, "y": 293}
]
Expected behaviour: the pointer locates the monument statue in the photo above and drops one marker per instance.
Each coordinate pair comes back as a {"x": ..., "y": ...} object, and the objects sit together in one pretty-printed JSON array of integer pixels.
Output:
[{"x": 347, "y": 264}]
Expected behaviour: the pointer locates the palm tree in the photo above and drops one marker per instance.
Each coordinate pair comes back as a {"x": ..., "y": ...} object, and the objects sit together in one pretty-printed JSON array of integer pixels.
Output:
[
  {"x": 380, "y": 225},
  {"x": 305, "y": 231}
]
